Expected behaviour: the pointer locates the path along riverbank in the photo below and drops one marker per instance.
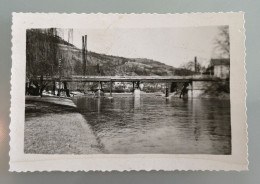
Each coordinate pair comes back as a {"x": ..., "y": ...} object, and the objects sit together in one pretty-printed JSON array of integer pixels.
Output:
[{"x": 54, "y": 126}]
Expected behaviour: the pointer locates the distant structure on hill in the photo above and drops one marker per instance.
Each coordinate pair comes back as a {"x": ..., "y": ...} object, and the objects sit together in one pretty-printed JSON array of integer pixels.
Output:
[{"x": 221, "y": 67}]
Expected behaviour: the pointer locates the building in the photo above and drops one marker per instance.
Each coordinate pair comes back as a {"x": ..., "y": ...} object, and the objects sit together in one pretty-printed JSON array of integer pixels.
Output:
[{"x": 221, "y": 67}]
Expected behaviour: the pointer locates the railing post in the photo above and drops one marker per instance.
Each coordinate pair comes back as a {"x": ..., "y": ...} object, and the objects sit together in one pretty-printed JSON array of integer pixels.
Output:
[
  {"x": 99, "y": 87},
  {"x": 59, "y": 77},
  {"x": 166, "y": 90},
  {"x": 192, "y": 89},
  {"x": 138, "y": 84},
  {"x": 54, "y": 87},
  {"x": 110, "y": 88},
  {"x": 59, "y": 88}
]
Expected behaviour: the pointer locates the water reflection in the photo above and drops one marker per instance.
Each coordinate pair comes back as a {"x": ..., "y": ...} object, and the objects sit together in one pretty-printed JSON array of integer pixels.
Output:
[
  {"x": 137, "y": 102},
  {"x": 98, "y": 104},
  {"x": 156, "y": 125}
]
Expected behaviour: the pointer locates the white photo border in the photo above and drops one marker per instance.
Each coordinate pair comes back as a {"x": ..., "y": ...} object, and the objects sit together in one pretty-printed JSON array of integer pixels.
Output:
[{"x": 21, "y": 162}]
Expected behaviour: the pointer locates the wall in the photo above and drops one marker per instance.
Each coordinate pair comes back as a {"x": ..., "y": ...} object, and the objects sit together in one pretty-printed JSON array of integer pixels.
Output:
[
  {"x": 221, "y": 71},
  {"x": 208, "y": 89},
  {"x": 197, "y": 89}
]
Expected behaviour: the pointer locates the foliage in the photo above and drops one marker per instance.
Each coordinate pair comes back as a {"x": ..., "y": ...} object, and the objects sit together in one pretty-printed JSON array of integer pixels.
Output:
[
  {"x": 189, "y": 68},
  {"x": 218, "y": 88},
  {"x": 41, "y": 56},
  {"x": 222, "y": 42},
  {"x": 41, "y": 53}
]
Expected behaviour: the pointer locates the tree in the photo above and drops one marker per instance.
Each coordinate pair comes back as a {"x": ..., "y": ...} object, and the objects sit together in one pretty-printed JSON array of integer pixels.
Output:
[
  {"x": 188, "y": 66},
  {"x": 191, "y": 66},
  {"x": 78, "y": 67},
  {"x": 41, "y": 57},
  {"x": 222, "y": 42}
]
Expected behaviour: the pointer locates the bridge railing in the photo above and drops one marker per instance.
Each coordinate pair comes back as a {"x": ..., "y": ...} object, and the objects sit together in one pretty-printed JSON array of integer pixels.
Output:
[{"x": 79, "y": 78}]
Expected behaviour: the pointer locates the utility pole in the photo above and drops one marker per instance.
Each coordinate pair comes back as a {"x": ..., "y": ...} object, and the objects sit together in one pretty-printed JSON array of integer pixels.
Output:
[
  {"x": 84, "y": 53},
  {"x": 195, "y": 64},
  {"x": 70, "y": 36},
  {"x": 59, "y": 77}
]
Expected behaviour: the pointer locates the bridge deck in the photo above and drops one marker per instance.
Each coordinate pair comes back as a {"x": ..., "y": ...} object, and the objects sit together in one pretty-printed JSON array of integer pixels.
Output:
[{"x": 130, "y": 78}]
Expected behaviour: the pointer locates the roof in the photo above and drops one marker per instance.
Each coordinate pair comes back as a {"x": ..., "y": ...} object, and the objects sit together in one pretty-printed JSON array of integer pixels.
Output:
[{"x": 220, "y": 61}]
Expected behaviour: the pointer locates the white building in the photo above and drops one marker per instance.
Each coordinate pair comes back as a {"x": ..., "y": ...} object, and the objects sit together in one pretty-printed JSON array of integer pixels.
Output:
[{"x": 221, "y": 67}]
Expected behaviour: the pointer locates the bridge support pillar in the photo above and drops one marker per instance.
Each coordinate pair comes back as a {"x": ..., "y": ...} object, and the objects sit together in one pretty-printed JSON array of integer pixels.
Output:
[
  {"x": 137, "y": 91},
  {"x": 59, "y": 90},
  {"x": 173, "y": 87},
  {"x": 166, "y": 90},
  {"x": 197, "y": 89},
  {"x": 111, "y": 86},
  {"x": 53, "y": 87},
  {"x": 138, "y": 84},
  {"x": 99, "y": 92}
]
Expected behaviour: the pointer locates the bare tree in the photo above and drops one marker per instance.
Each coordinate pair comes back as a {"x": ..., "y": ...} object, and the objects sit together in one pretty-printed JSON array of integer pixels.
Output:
[
  {"x": 222, "y": 41},
  {"x": 191, "y": 66}
]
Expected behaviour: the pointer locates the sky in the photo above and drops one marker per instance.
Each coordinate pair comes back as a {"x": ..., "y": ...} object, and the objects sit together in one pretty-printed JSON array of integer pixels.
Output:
[{"x": 172, "y": 46}]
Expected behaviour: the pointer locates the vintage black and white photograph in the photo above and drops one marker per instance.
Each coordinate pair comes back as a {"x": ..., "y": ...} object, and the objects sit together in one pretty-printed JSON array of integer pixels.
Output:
[{"x": 128, "y": 91}]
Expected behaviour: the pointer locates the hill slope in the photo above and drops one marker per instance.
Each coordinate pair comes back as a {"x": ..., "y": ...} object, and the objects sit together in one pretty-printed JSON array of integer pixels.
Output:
[
  {"x": 44, "y": 51},
  {"x": 111, "y": 65}
]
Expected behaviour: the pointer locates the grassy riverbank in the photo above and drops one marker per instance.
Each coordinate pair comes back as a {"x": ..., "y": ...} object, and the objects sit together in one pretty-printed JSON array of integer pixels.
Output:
[{"x": 54, "y": 126}]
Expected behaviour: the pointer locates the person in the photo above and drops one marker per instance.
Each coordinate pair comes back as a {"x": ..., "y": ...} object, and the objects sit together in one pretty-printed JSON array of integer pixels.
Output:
[{"x": 184, "y": 89}]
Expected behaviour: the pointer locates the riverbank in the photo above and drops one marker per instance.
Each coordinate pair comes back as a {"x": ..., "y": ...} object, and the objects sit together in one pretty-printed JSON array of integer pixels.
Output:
[{"x": 54, "y": 126}]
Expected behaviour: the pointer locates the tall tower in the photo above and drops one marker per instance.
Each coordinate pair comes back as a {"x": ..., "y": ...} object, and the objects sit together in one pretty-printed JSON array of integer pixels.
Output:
[
  {"x": 84, "y": 53},
  {"x": 70, "y": 36},
  {"x": 195, "y": 64}
]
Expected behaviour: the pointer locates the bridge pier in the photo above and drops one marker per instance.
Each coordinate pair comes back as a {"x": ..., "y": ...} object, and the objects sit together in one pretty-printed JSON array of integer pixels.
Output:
[
  {"x": 66, "y": 89},
  {"x": 197, "y": 89},
  {"x": 99, "y": 92},
  {"x": 166, "y": 90},
  {"x": 173, "y": 87},
  {"x": 111, "y": 86},
  {"x": 53, "y": 87},
  {"x": 137, "y": 91}
]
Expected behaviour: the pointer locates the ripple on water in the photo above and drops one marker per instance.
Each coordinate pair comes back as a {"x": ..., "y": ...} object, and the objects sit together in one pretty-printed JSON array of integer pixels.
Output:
[{"x": 156, "y": 125}]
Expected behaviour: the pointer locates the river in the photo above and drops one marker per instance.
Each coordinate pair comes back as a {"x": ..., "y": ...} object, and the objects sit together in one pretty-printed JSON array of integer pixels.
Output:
[{"x": 156, "y": 125}]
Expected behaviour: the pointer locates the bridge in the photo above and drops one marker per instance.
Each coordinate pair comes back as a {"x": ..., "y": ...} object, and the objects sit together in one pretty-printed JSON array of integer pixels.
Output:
[
  {"x": 196, "y": 83},
  {"x": 156, "y": 79}
]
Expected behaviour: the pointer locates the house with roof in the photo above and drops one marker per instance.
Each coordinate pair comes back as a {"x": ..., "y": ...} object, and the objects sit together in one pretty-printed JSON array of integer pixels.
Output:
[{"x": 221, "y": 67}]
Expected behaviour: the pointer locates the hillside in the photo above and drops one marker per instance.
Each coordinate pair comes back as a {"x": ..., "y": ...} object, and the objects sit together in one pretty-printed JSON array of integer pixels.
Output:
[
  {"x": 44, "y": 51},
  {"x": 111, "y": 65}
]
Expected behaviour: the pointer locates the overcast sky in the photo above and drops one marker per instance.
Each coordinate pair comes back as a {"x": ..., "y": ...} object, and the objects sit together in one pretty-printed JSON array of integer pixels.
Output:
[{"x": 172, "y": 46}]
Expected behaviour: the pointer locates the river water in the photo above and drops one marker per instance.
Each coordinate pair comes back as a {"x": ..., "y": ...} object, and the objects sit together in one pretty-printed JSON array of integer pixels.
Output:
[{"x": 156, "y": 125}]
